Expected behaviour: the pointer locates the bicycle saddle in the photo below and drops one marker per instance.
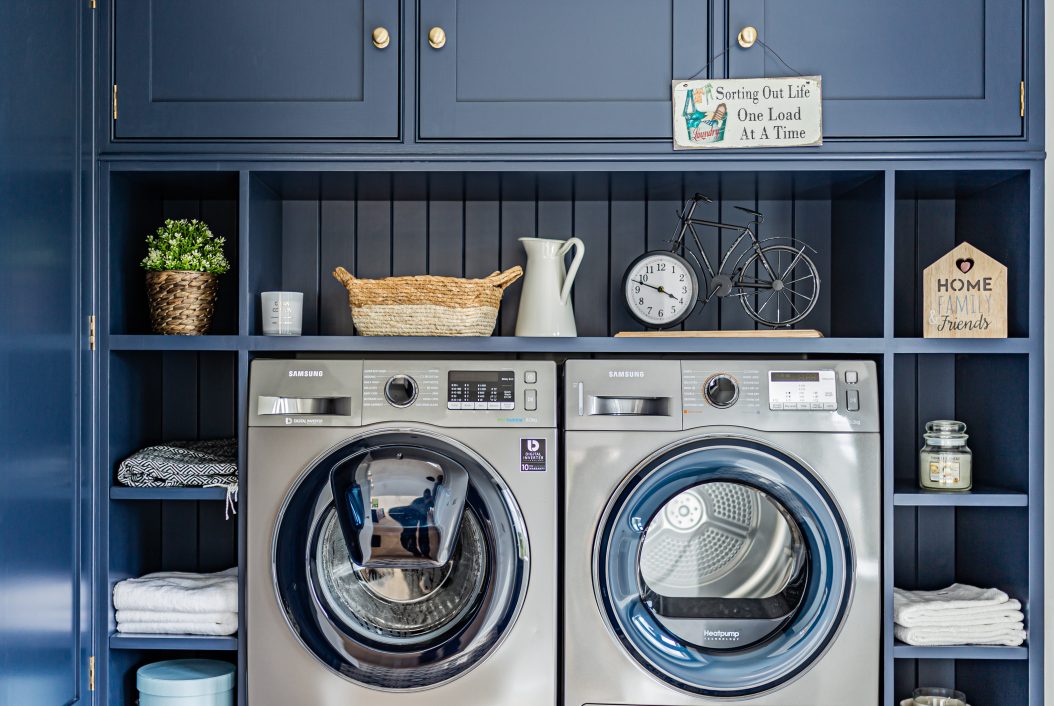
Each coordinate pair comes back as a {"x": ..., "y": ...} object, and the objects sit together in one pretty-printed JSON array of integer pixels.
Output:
[
  {"x": 748, "y": 210},
  {"x": 701, "y": 197}
]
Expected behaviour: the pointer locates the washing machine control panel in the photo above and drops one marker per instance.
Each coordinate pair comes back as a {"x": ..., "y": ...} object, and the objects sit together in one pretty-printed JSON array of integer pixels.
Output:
[
  {"x": 806, "y": 390},
  {"x": 481, "y": 389}
]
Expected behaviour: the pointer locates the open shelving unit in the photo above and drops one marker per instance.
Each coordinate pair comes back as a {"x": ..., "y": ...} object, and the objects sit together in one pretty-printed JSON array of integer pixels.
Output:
[{"x": 876, "y": 225}]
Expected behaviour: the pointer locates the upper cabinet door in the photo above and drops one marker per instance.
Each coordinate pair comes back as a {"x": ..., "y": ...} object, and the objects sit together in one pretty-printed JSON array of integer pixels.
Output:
[
  {"x": 895, "y": 68},
  {"x": 555, "y": 69},
  {"x": 256, "y": 69}
]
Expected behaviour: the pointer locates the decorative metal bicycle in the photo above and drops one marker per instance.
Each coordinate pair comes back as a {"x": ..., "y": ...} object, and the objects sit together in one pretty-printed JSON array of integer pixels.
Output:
[{"x": 774, "y": 279}]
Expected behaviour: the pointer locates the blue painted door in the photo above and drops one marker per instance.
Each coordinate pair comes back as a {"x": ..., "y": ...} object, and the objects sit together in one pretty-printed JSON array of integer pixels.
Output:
[
  {"x": 896, "y": 68},
  {"x": 255, "y": 69},
  {"x": 43, "y": 596},
  {"x": 555, "y": 69}
]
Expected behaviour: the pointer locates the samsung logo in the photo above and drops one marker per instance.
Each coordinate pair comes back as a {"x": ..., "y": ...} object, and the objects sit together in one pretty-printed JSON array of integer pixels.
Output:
[
  {"x": 305, "y": 373},
  {"x": 625, "y": 373}
]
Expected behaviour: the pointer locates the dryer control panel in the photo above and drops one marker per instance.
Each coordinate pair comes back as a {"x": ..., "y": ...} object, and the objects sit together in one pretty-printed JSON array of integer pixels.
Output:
[{"x": 802, "y": 390}]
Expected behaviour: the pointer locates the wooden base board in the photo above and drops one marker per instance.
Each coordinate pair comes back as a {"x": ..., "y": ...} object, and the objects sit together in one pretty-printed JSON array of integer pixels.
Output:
[{"x": 766, "y": 333}]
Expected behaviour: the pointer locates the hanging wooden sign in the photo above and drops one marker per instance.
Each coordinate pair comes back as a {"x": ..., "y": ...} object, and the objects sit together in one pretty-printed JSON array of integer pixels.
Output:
[
  {"x": 964, "y": 296},
  {"x": 749, "y": 112}
]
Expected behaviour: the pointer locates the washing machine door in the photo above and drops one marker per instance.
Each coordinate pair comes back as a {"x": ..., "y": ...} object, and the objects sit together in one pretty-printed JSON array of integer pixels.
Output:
[
  {"x": 411, "y": 615},
  {"x": 724, "y": 567}
]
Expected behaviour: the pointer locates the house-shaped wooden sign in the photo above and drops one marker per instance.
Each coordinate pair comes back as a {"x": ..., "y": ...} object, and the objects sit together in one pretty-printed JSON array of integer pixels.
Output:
[{"x": 964, "y": 296}]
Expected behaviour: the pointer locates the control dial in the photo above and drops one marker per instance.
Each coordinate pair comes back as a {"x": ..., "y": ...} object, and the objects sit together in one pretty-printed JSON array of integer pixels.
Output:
[
  {"x": 721, "y": 391},
  {"x": 400, "y": 391}
]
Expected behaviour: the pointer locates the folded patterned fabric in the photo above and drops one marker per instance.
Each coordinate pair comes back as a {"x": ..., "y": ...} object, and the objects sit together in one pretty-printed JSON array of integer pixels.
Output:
[
  {"x": 182, "y": 464},
  {"x": 949, "y": 606},
  {"x": 177, "y": 591},
  {"x": 226, "y": 625},
  {"x": 1009, "y": 635}
]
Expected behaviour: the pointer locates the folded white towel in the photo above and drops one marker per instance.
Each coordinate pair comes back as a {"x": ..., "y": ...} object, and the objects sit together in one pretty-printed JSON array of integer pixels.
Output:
[
  {"x": 227, "y": 624},
  {"x": 157, "y": 616},
  {"x": 950, "y": 606},
  {"x": 1011, "y": 636},
  {"x": 183, "y": 592},
  {"x": 1007, "y": 614}
]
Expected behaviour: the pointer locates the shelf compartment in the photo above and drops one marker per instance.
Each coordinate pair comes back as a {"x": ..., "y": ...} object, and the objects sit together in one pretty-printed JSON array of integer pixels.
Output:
[
  {"x": 987, "y": 675},
  {"x": 989, "y": 392},
  {"x": 303, "y": 225},
  {"x": 988, "y": 547},
  {"x": 908, "y": 494},
  {"x": 132, "y": 641},
  {"x": 120, "y": 492},
  {"x": 937, "y": 210},
  {"x": 139, "y": 203}
]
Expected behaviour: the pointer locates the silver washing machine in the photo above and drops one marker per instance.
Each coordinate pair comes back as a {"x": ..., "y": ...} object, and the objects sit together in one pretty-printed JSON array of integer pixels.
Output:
[
  {"x": 722, "y": 533},
  {"x": 401, "y": 534}
]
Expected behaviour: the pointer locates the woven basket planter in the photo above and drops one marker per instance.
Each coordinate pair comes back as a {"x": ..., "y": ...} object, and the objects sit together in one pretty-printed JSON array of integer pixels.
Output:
[
  {"x": 426, "y": 305},
  {"x": 181, "y": 302}
]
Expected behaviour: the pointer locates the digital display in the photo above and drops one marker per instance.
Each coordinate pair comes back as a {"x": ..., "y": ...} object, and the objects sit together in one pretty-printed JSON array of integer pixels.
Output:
[
  {"x": 794, "y": 377},
  {"x": 483, "y": 389}
]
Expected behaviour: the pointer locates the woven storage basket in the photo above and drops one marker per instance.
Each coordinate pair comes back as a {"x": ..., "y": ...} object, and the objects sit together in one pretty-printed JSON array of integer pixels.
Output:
[
  {"x": 181, "y": 302},
  {"x": 426, "y": 305}
]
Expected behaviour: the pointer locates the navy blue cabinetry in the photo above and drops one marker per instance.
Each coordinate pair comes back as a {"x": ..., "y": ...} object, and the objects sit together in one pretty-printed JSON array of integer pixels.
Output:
[
  {"x": 198, "y": 69},
  {"x": 552, "y": 69},
  {"x": 45, "y": 504},
  {"x": 901, "y": 68}
]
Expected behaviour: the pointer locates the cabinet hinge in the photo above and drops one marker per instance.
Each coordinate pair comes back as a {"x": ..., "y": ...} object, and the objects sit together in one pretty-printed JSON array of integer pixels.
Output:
[
  {"x": 115, "y": 101},
  {"x": 91, "y": 332},
  {"x": 91, "y": 673},
  {"x": 1022, "y": 99}
]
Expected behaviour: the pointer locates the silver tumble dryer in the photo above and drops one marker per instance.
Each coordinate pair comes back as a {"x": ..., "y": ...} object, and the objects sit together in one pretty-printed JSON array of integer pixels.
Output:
[
  {"x": 722, "y": 536},
  {"x": 401, "y": 543}
]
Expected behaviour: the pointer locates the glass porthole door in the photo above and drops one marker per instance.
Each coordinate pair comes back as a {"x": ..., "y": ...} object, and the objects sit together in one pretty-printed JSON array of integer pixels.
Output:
[
  {"x": 723, "y": 567},
  {"x": 402, "y": 605}
]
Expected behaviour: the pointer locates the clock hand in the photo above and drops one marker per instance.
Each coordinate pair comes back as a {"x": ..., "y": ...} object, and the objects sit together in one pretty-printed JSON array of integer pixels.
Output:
[{"x": 661, "y": 290}]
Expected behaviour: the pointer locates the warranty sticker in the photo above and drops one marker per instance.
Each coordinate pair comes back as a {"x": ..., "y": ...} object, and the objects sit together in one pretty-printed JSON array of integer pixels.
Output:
[{"x": 532, "y": 455}]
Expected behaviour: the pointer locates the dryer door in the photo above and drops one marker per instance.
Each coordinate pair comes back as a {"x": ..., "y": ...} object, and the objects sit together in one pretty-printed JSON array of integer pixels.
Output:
[
  {"x": 724, "y": 567},
  {"x": 407, "y": 624}
]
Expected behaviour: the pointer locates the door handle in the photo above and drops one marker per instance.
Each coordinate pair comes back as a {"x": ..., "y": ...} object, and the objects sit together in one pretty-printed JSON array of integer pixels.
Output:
[
  {"x": 381, "y": 38},
  {"x": 270, "y": 405},
  {"x": 437, "y": 38}
]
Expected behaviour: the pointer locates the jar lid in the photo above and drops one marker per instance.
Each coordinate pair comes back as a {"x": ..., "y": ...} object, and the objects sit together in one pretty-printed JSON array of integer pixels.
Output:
[
  {"x": 945, "y": 426},
  {"x": 185, "y": 677}
]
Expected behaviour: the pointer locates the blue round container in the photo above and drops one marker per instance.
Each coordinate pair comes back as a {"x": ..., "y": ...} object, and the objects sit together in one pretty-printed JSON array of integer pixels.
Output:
[{"x": 186, "y": 682}]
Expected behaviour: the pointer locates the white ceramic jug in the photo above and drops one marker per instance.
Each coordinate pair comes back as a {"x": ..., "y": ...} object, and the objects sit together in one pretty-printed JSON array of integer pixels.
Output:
[{"x": 545, "y": 304}]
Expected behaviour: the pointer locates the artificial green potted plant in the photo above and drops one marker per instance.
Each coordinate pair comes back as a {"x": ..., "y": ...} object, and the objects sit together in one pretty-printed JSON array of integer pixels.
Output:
[{"x": 183, "y": 260}]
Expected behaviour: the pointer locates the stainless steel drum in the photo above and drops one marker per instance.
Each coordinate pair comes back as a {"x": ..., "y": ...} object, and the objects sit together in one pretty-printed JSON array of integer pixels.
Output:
[{"x": 720, "y": 540}]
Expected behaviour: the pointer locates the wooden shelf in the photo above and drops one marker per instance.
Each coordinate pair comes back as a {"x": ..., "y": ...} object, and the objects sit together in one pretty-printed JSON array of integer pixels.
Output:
[
  {"x": 119, "y": 492},
  {"x": 132, "y": 641},
  {"x": 908, "y": 494},
  {"x": 979, "y": 652}
]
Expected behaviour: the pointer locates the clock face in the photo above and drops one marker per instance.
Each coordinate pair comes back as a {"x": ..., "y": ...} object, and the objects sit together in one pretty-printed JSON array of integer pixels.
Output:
[{"x": 661, "y": 289}]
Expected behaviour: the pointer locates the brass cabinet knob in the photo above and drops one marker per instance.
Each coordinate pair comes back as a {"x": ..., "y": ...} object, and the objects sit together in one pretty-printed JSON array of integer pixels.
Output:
[
  {"x": 381, "y": 38},
  {"x": 747, "y": 36},
  {"x": 436, "y": 38}
]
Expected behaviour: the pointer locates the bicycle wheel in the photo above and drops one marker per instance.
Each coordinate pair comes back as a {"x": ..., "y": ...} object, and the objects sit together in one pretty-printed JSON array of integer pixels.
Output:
[{"x": 785, "y": 299}]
